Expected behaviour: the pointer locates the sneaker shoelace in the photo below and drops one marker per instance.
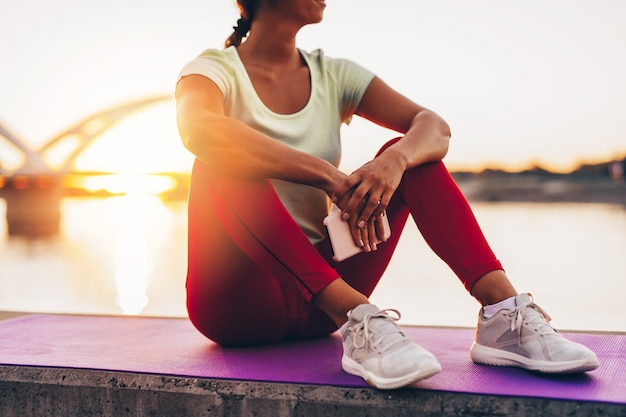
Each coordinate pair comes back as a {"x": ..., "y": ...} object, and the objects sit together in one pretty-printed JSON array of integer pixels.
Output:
[
  {"x": 375, "y": 339},
  {"x": 538, "y": 321}
]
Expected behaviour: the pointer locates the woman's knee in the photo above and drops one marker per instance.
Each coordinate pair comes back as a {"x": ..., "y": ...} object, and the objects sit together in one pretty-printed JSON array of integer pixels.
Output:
[
  {"x": 388, "y": 144},
  {"x": 226, "y": 332},
  {"x": 239, "y": 319}
]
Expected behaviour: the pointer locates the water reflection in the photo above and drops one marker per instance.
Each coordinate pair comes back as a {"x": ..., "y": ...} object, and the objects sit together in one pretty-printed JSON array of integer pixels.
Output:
[
  {"x": 132, "y": 257},
  {"x": 116, "y": 255}
]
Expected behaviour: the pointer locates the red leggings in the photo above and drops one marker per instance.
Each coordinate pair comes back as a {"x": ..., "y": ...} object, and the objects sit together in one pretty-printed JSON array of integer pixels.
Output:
[{"x": 252, "y": 272}]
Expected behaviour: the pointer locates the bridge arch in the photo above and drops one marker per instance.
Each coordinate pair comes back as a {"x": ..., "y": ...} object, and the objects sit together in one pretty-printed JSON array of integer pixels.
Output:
[
  {"x": 35, "y": 210},
  {"x": 86, "y": 131}
]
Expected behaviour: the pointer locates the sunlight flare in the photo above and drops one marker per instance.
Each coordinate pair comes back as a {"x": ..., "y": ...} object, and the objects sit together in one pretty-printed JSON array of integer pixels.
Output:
[
  {"x": 133, "y": 259},
  {"x": 129, "y": 183}
]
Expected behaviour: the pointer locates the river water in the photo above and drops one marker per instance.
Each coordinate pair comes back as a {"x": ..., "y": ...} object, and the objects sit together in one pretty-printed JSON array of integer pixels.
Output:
[{"x": 127, "y": 255}]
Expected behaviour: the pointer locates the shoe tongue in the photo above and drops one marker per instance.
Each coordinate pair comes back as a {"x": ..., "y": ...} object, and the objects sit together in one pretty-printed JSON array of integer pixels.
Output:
[
  {"x": 384, "y": 333},
  {"x": 359, "y": 313},
  {"x": 522, "y": 299}
]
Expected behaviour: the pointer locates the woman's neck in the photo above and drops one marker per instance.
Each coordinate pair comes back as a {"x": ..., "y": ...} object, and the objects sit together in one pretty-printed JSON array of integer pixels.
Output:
[{"x": 271, "y": 43}]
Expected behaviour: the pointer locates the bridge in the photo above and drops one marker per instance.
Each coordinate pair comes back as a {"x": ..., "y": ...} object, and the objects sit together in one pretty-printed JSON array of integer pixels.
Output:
[{"x": 33, "y": 191}]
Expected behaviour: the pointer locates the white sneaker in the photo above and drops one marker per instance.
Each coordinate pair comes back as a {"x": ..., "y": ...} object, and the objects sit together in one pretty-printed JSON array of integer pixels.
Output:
[
  {"x": 523, "y": 338},
  {"x": 377, "y": 350}
]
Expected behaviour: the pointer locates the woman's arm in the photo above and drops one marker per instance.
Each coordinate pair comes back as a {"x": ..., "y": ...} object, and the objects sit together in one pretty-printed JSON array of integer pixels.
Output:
[
  {"x": 232, "y": 147},
  {"x": 426, "y": 135},
  {"x": 365, "y": 193}
]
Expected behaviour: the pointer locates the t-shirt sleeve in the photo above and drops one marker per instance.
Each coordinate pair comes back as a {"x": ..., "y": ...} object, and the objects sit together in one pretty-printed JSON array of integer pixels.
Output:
[
  {"x": 214, "y": 65},
  {"x": 352, "y": 81}
]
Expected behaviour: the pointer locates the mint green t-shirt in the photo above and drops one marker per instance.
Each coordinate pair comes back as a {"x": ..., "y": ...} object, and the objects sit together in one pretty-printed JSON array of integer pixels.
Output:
[{"x": 337, "y": 86}]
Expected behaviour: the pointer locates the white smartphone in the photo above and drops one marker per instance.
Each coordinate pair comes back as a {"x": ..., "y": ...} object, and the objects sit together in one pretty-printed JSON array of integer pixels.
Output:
[{"x": 341, "y": 239}]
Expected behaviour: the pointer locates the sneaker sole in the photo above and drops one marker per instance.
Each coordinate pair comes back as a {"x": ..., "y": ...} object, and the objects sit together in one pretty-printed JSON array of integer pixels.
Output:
[
  {"x": 426, "y": 370},
  {"x": 496, "y": 357}
]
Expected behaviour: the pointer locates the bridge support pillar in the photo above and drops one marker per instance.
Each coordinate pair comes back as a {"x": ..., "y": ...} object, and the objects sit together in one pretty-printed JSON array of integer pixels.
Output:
[{"x": 33, "y": 205}]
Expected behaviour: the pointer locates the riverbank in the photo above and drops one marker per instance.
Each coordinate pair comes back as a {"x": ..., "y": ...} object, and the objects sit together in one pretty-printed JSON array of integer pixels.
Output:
[
  {"x": 529, "y": 188},
  {"x": 597, "y": 183}
]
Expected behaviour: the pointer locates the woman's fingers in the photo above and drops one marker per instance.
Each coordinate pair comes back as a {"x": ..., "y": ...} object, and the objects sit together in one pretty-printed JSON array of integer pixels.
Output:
[
  {"x": 363, "y": 197},
  {"x": 371, "y": 235},
  {"x": 373, "y": 208},
  {"x": 379, "y": 227}
]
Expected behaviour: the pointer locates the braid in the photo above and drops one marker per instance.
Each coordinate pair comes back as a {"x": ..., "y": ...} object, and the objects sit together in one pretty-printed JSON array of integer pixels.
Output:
[{"x": 240, "y": 31}]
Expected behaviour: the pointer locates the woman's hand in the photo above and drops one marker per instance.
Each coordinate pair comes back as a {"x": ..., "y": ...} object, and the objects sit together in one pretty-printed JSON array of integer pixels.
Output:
[{"x": 364, "y": 195}]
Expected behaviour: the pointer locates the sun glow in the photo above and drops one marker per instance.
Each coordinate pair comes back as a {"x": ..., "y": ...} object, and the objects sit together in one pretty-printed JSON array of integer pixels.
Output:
[
  {"x": 145, "y": 142},
  {"x": 129, "y": 183}
]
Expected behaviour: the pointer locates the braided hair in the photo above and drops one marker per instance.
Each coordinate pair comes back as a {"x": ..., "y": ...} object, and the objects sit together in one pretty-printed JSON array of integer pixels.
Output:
[{"x": 240, "y": 31}]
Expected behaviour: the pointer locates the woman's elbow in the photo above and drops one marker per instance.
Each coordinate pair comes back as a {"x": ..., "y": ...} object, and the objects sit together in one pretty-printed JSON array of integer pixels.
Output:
[
  {"x": 444, "y": 147},
  {"x": 441, "y": 149},
  {"x": 445, "y": 130},
  {"x": 190, "y": 142},
  {"x": 187, "y": 139},
  {"x": 202, "y": 148},
  {"x": 444, "y": 134},
  {"x": 193, "y": 135}
]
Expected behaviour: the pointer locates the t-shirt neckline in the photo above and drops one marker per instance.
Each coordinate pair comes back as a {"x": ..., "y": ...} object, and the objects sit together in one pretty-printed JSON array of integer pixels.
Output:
[{"x": 250, "y": 85}]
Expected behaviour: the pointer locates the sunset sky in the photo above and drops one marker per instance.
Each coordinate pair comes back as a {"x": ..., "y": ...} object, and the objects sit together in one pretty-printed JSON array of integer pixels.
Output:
[{"x": 520, "y": 82}]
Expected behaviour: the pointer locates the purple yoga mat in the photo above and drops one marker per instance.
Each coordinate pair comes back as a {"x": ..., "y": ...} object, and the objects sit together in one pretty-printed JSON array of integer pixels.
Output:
[{"x": 173, "y": 347}]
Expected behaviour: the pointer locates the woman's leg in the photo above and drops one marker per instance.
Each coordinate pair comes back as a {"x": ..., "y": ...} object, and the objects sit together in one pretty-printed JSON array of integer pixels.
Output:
[
  {"x": 448, "y": 225},
  {"x": 445, "y": 219},
  {"x": 447, "y": 222},
  {"x": 252, "y": 271},
  {"x": 225, "y": 226}
]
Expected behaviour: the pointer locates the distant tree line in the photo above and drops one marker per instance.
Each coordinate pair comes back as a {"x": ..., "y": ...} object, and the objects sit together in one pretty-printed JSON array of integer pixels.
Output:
[{"x": 605, "y": 170}]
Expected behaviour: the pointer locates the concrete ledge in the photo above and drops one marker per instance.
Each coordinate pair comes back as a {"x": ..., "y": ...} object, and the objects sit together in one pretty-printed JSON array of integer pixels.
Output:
[{"x": 35, "y": 391}]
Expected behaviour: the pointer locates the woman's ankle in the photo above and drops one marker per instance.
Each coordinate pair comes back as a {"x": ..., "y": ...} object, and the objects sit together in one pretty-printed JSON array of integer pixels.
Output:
[
  {"x": 337, "y": 299},
  {"x": 493, "y": 287}
]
